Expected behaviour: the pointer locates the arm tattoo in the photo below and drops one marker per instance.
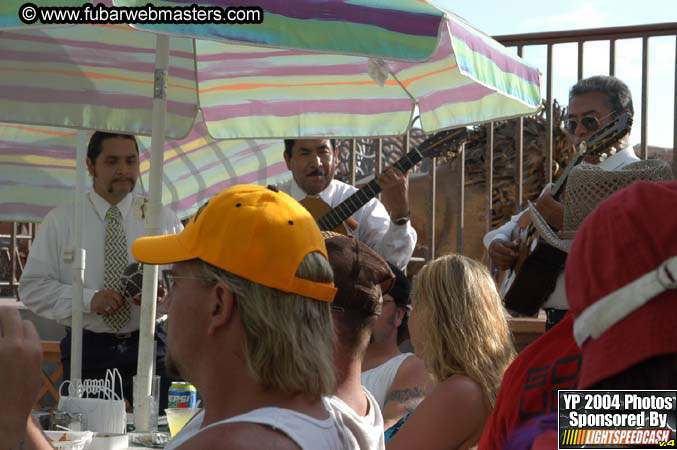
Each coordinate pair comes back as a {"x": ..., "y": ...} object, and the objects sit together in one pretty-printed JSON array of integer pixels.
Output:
[{"x": 410, "y": 398}]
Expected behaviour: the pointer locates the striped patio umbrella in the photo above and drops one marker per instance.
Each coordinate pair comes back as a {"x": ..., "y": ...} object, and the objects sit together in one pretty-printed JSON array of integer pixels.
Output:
[{"x": 280, "y": 78}]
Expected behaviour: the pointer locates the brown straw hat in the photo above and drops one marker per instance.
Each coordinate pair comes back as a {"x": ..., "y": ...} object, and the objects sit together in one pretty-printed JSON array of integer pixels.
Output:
[{"x": 587, "y": 187}]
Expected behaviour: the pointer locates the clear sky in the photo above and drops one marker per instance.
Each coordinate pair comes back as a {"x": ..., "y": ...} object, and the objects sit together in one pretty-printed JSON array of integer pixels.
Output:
[{"x": 499, "y": 17}]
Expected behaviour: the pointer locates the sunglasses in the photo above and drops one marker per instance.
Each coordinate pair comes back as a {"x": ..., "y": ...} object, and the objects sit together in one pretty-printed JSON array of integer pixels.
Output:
[{"x": 591, "y": 123}]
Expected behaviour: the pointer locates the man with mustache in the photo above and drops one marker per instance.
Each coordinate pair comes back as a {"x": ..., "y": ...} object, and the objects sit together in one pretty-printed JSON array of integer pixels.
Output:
[
  {"x": 385, "y": 227},
  {"x": 593, "y": 103},
  {"x": 113, "y": 217}
]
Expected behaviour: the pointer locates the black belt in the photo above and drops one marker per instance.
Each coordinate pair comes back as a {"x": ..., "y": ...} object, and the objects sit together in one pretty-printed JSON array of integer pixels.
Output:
[
  {"x": 131, "y": 335},
  {"x": 553, "y": 316}
]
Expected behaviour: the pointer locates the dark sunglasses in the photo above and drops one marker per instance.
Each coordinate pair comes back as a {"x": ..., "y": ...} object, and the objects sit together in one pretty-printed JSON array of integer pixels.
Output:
[{"x": 591, "y": 123}]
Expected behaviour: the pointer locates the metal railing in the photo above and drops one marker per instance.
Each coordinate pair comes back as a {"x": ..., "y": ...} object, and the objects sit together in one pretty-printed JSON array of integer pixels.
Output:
[
  {"x": 612, "y": 35},
  {"x": 550, "y": 40},
  {"x": 580, "y": 37},
  {"x": 10, "y": 257}
]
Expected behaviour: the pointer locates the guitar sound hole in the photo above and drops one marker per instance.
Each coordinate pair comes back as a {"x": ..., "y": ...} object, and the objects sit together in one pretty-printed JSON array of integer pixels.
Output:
[{"x": 291, "y": 222}]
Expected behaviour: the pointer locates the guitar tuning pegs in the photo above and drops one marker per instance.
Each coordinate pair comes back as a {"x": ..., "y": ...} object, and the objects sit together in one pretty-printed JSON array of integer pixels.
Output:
[
  {"x": 583, "y": 146},
  {"x": 602, "y": 157},
  {"x": 612, "y": 151}
]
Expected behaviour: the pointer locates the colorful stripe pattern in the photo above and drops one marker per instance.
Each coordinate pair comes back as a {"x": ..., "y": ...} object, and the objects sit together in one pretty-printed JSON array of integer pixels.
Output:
[
  {"x": 37, "y": 169},
  {"x": 286, "y": 93},
  {"x": 406, "y": 29},
  {"x": 100, "y": 77},
  {"x": 469, "y": 79},
  {"x": 94, "y": 77}
]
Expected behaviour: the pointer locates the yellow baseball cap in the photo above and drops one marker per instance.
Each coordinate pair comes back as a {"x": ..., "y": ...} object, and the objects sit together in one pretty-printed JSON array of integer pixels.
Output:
[{"x": 257, "y": 233}]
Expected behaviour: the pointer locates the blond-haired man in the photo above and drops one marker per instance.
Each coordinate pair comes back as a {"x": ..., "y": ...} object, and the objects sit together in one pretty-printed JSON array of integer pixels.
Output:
[{"x": 249, "y": 322}]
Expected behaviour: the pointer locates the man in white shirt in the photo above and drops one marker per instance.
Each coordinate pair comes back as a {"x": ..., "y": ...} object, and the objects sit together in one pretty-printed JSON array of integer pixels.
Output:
[
  {"x": 593, "y": 103},
  {"x": 361, "y": 276},
  {"x": 398, "y": 381},
  {"x": 385, "y": 227},
  {"x": 45, "y": 287}
]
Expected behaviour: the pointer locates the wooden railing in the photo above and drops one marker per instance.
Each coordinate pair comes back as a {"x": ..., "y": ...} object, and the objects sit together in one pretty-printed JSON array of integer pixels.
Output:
[{"x": 51, "y": 375}]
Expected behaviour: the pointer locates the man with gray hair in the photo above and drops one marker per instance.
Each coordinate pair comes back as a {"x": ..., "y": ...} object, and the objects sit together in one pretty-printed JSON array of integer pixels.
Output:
[
  {"x": 250, "y": 326},
  {"x": 594, "y": 103}
]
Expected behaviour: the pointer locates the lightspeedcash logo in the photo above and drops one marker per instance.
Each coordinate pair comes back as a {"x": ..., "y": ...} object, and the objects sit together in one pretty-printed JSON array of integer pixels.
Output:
[{"x": 617, "y": 419}]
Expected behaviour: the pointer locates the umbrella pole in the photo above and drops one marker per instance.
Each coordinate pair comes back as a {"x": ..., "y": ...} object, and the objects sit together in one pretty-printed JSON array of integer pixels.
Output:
[
  {"x": 78, "y": 267},
  {"x": 142, "y": 397}
]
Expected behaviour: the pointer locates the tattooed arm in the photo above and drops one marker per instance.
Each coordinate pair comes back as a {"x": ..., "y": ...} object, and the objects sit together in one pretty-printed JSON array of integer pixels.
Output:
[
  {"x": 409, "y": 398},
  {"x": 451, "y": 417},
  {"x": 410, "y": 386}
]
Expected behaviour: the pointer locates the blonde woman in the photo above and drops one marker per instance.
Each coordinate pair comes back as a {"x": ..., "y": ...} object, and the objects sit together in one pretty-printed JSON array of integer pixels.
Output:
[{"x": 458, "y": 328}]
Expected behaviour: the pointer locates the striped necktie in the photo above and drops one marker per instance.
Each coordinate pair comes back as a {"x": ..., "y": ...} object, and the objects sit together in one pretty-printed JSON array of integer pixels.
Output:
[{"x": 115, "y": 261}]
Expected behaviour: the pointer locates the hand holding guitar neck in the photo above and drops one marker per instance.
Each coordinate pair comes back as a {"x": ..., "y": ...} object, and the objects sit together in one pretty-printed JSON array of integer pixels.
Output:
[
  {"x": 333, "y": 220},
  {"x": 394, "y": 192}
]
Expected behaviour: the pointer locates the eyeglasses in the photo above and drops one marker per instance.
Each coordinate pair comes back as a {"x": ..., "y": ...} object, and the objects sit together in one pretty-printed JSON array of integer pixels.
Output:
[
  {"x": 168, "y": 278},
  {"x": 591, "y": 123}
]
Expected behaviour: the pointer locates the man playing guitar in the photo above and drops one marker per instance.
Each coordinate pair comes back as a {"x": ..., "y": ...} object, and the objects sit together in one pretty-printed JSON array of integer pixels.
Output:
[
  {"x": 593, "y": 103},
  {"x": 385, "y": 227}
]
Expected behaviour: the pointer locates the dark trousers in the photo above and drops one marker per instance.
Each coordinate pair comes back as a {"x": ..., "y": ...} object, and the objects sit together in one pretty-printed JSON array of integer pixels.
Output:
[{"x": 102, "y": 351}]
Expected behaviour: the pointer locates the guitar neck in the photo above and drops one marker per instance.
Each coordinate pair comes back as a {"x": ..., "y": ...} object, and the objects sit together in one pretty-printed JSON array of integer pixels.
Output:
[
  {"x": 361, "y": 197},
  {"x": 558, "y": 187}
]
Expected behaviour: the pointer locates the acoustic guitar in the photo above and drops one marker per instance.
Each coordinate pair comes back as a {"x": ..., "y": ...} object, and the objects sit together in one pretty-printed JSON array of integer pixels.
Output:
[
  {"x": 339, "y": 218},
  {"x": 532, "y": 278}
]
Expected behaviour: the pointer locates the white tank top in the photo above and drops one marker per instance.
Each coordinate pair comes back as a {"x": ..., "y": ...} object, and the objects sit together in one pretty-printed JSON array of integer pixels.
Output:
[
  {"x": 307, "y": 432},
  {"x": 364, "y": 432},
  {"x": 379, "y": 379}
]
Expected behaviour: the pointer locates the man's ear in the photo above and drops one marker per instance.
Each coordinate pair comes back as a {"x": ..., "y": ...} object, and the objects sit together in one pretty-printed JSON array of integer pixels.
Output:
[
  {"x": 399, "y": 315},
  {"x": 90, "y": 167},
  {"x": 336, "y": 157},
  {"x": 287, "y": 159},
  {"x": 221, "y": 308}
]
